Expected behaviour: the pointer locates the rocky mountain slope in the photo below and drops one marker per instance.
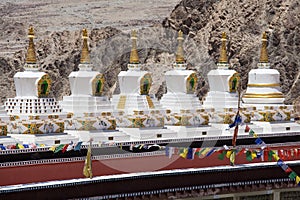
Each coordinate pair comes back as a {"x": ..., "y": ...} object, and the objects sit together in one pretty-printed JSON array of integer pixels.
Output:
[
  {"x": 58, "y": 45},
  {"x": 244, "y": 21}
]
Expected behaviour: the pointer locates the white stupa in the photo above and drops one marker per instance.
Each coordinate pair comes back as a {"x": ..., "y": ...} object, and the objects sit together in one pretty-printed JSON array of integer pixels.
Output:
[
  {"x": 223, "y": 83},
  {"x": 184, "y": 113},
  {"x": 91, "y": 111},
  {"x": 263, "y": 95},
  {"x": 86, "y": 87},
  {"x": 223, "y": 96},
  {"x": 263, "y": 83},
  {"x": 139, "y": 115},
  {"x": 32, "y": 112},
  {"x": 181, "y": 84}
]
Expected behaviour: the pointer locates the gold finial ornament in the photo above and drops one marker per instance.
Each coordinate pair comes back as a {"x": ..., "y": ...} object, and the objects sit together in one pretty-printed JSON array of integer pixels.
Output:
[
  {"x": 134, "y": 57},
  {"x": 264, "y": 51},
  {"x": 31, "y": 56},
  {"x": 180, "y": 54},
  {"x": 223, "y": 54},
  {"x": 85, "y": 57}
]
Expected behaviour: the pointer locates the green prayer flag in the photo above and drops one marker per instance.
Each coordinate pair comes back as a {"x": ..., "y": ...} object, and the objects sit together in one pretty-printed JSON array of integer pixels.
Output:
[
  {"x": 249, "y": 155},
  {"x": 251, "y": 132},
  {"x": 292, "y": 175},
  {"x": 270, "y": 155},
  {"x": 59, "y": 148},
  {"x": 222, "y": 155}
]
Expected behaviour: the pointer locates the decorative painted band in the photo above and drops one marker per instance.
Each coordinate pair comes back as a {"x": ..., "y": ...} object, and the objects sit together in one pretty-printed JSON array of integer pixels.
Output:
[
  {"x": 267, "y": 95},
  {"x": 264, "y": 85}
]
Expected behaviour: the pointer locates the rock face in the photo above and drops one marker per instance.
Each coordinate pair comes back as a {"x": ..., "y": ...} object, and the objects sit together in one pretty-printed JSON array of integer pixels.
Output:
[
  {"x": 244, "y": 22},
  {"x": 58, "y": 46}
]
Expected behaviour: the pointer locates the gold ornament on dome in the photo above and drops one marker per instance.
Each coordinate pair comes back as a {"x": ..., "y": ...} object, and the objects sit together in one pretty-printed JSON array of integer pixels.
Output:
[
  {"x": 191, "y": 83},
  {"x": 85, "y": 57},
  {"x": 223, "y": 54},
  {"x": 145, "y": 84},
  {"x": 44, "y": 86},
  {"x": 31, "y": 56},
  {"x": 180, "y": 53},
  {"x": 264, "y": 51},
  {"x": 98, "y": 85},
  {"x": 134, "y": 57},
  {"x": 233, "y": 82}
]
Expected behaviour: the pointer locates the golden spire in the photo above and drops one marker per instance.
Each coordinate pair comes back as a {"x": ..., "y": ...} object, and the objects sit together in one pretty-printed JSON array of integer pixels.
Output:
[
  {"x": 180, "y": 54},
  {"x": 264, "y": 51},
  {"x": 223, "y": 54},
  {"x": 134, "y": 57},
  {"x": 31, "y": 57},
  {"x": 85, "y": 57}
]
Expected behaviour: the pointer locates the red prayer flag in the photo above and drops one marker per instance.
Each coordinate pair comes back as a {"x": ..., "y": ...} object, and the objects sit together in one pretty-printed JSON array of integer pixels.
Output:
[
  {"x": 247, "y": 129},
  {"x": 64, "y": 148},
  {"x": 236, "y": 130}
]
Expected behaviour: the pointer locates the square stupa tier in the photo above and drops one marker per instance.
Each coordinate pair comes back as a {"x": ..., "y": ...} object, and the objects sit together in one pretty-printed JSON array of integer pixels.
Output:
[
  {"x": 78, "y": 105},
  {"x": 223, "y": 85}
]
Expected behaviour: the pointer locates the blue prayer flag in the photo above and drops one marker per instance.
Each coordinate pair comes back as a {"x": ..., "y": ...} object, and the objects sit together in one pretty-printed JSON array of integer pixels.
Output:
[
  {"x": 190, "y": 154},
  {"x": 77, "y": 147},
  {"x": 258, "y": 141}
]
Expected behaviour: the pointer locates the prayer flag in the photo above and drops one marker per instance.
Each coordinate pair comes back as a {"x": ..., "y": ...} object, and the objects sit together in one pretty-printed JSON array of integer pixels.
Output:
[
  {"x": 228, "y": 153},
  {"x": 59, "y": 148},
  {"x": 270, "y": 155},
  {"x": 64, "y": 149},
  {"x": 190, "y": 154},
  {"x": 236, "y": 122},
  {"x": 222, "y": 155},
  {"x": 77, "y": 146},
  {"x": 19, "y": 146},
  {"x": 249, "y": 155},
  {"x": 184, "y": 152},
  {"x": 253, "y": 155},
  {"x": 258, "y": 141},
  {"x": 251, "y": 132},
  {"x": 247, "y": 129},
  {"x": 210, "y": 152},
  {"x": 232, "y": 158},
  {"x": 87, "y": 169},
  {"x": 197, "y": 151},
  {"x": 169, "y": 151},
  {"x": 235, "y": 133},
  {"x": 297, "y": 179},
  {"x": 288, "y": 170},
  {"x": 52, "y": 148},
  {"x": 292, "y": 175}
]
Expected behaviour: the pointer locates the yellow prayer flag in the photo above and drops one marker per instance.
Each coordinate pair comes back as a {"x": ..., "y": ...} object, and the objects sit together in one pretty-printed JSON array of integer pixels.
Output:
[
  {"x": 228, "y": 153},
  {"x": 276, "y": 157},
  {"x": 255, "y": 135},
  {"x": 184, "y": 153},
  {"x": 52, "y": 148},
  {"x": 87, "y": 169},
  {"x": 297, "y": 179}
]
